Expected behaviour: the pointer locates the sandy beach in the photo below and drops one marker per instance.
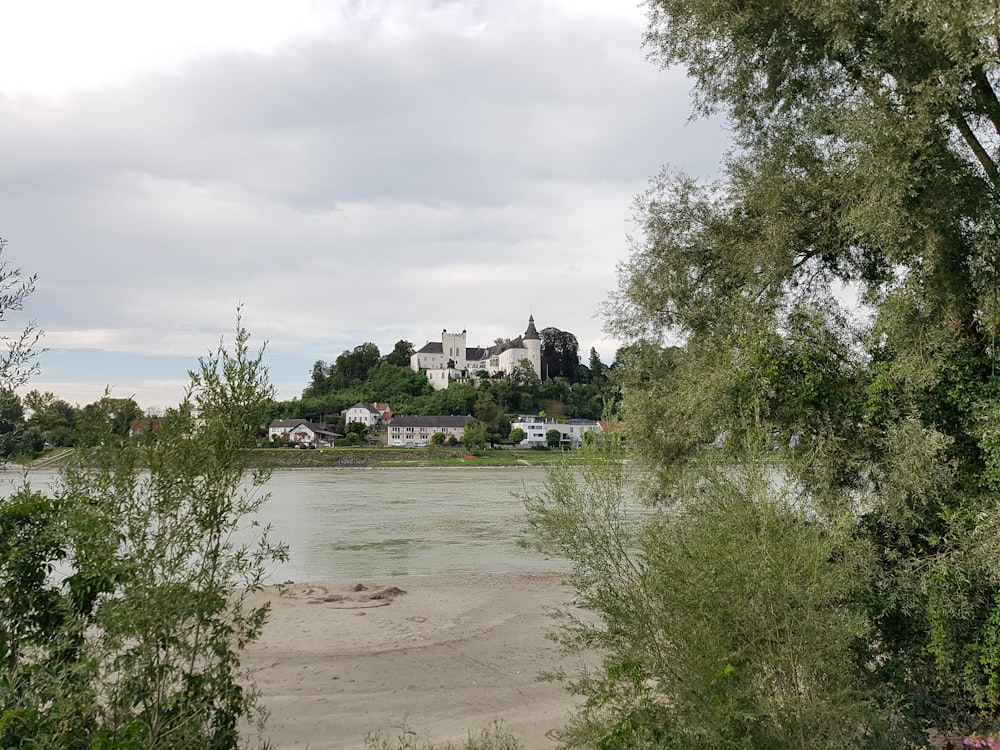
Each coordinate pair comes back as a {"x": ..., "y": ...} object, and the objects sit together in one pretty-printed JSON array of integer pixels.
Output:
[{"x": 453, "y": 653}]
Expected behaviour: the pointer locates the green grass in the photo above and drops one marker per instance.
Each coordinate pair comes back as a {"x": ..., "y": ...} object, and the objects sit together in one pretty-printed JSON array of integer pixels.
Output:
[
  {"x": 379, "y": 457},
  {"x": 376, "y": 457}
]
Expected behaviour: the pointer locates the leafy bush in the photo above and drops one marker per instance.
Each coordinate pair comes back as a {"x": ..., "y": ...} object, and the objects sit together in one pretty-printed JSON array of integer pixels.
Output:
[
  {"x": 724, "y": 620},
  {"x": 123, "y": 608}
]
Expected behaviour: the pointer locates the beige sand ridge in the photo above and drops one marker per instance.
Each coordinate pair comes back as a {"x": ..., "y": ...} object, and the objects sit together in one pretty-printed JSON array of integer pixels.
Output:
[{"x": 445, "y": 653}]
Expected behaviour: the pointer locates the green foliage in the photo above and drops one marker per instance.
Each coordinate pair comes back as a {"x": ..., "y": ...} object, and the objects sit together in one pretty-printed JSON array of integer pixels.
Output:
[
  {"x": 552, "y": 438},
  {"x": 438, "y": 438},
  {"x": 106, "y": 420},
  {"x": 474, "y": 437},
  {"x": 18, "y": 351},
  {"x": 11, "y": 423},
  {"x": 865, "y": 159},
  {"x": 722, "y": 620},
  {"x": 560, "y": 353},
  {"x": 54, "y": 417},
  {"x": 410, "y": 392},
  {"x": 494, "y": 737},
  {"x": 137, "y": 642},
  {"x": 517, "y": 435},
  {"x": 400, "y": 354}
]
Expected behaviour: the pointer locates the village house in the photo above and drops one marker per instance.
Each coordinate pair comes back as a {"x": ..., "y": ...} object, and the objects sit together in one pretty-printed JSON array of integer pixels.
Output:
[
  {"x": 369, "y": 415},
  {"x": 300, "y": 431},
  {"x": 451, "y": 359},
  {"x": 413, "y": 432}
]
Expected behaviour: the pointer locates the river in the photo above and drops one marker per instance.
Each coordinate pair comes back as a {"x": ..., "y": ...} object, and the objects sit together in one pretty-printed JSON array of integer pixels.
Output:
[{"x": 372, "y": 522}]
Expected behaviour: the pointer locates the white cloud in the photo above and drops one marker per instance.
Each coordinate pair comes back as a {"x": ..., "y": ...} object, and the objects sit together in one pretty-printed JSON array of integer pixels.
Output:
[{"x": 350, "y": 171}]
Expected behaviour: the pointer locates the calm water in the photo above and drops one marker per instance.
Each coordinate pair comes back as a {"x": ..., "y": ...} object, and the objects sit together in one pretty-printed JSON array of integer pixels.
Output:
[{"x": 372, "y": 522}]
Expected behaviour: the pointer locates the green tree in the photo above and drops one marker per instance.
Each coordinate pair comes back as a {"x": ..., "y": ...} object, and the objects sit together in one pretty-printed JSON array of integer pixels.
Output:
[
  {"x": 474, "y": 437},
  {"x": 560, "y": 353},
  {"x": 722, "y": 618},
  {"x": 319, "y": 382},
  {"x": 486, "y": 409},
  {"x": 11, "y": 423},
  {"x": 54, "y": 417},
  {"x": 596, "y": 366},
  {"x": 352, "y": 367},
  {"x": 524, "y": 376},
  {"x": 865, "y": 159},
  {"x": 400, "y": 354},
  {"x": 517, "y": 435},
  {"x": 137, "y": 643},
  {"x": 108, "y": 418},
  {"x": 438, "y": 438},
  {"x": 552, "y": 438}
]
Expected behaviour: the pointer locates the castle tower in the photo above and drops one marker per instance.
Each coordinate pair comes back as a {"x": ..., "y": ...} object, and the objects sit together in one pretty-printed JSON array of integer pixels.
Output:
[
  {"x": 453, "y": 348},
  {"x": 533, "y": 343}
]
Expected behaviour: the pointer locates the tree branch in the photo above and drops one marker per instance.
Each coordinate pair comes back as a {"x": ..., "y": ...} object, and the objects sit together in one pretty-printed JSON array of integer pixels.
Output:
[
  {"x": 979, "y": 150},
  {"x": 987, "y": 96}
]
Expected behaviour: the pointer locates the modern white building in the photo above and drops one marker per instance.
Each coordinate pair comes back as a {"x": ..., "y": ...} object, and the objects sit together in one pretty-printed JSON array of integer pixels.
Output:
[
  {"x": 571, "y": 431},
  {"x": 452, "y": 359}
]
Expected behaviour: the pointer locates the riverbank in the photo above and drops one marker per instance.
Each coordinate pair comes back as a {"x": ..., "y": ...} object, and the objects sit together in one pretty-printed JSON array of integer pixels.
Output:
[
  {"x": 370, "y": 457},
  {"x": 447, "y": 654}
]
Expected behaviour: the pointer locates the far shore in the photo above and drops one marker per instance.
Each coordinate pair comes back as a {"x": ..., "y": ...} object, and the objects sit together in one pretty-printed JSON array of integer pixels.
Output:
[{"x": 371, "y": 457}]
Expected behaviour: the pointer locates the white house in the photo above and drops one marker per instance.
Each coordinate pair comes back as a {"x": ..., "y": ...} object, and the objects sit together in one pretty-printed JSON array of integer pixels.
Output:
[
  {"x": 300, "y": 431},
  {"x": 416, "y": 431},
  {"x": 452, "y": 359},
  {"x": 571, "y": 431},
  {"x": 367, "y": 414}
]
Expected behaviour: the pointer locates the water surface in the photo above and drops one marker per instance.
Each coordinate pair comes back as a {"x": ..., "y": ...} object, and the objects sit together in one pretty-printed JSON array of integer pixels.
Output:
[{"x": 343, "y": 523}]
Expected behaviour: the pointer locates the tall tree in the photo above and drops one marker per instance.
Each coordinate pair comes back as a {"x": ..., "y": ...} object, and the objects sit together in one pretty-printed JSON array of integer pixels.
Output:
[
  {"x": 352, "y": 367},
  {"x": 138, "y": 641},
  {"x": 560, "y": 353},
  {"x": 54, "y": 417},
  {"x": 400, "y": 354},
  {"x": 107, "y": 416},
  {"x": 597, "y": 367},
  {"x": 866, "y": 158},
  {"x": 11, "y": 423}
]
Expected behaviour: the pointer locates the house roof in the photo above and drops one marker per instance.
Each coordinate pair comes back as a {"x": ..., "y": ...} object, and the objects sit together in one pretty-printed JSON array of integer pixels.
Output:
[
  {"x": 431, "y": 347},
  {"x": 287, "y": 423},
  {"x": 362, "y": 405},
  {"x": 291, "y": 424},
  {"x": 430, "y": 421}
]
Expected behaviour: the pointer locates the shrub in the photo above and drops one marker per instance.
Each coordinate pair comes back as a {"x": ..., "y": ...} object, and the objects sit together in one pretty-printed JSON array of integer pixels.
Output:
[{"x": 137, "y": 644}]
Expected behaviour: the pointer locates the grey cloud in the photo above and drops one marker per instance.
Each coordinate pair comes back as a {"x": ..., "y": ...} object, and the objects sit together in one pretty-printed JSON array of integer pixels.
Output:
[{"x": 347, "y": 170}]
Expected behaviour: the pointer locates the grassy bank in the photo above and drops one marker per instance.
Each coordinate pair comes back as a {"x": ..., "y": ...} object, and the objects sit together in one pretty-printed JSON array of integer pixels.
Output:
[
  {"x": 372, "y": 457},
  {"x": 377, "y": 457}
]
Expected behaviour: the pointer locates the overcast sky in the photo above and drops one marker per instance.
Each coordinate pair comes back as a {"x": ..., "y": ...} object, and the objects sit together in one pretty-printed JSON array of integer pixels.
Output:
[{"x": 348, "y": 170}]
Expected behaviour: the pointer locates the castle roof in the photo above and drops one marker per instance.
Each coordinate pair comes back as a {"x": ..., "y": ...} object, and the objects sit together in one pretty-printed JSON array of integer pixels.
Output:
[{"x": 531, "y": 333}]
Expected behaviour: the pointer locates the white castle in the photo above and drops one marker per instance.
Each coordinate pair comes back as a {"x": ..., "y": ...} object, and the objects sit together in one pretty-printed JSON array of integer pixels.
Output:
[{"x": 453, "y": 360}]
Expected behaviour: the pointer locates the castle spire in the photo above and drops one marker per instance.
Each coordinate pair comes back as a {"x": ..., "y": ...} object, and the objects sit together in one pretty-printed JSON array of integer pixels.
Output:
[{"x": 531, "y": 333}]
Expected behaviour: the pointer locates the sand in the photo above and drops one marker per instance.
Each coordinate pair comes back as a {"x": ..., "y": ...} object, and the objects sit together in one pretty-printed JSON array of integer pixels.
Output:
[{"x": 451, "y": 654}]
